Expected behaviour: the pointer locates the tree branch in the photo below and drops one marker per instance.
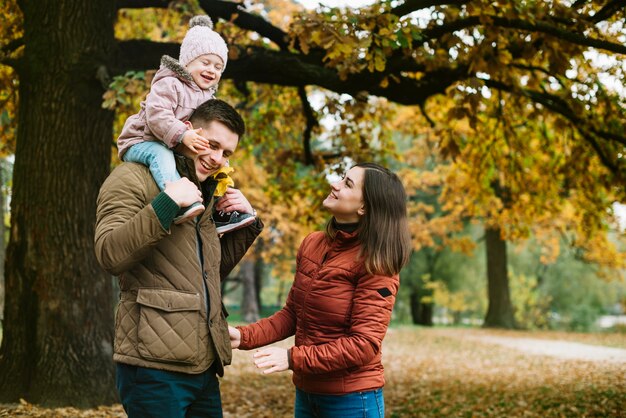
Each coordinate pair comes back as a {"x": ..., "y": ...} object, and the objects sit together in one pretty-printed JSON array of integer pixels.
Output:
[
  {"x": 410, "y": 6},
  {"x": 287, "y": 69},
  {"x": 575, "y": 38},
  {"x": 311, "y": 123},
  {"x": 9, "y": 48},
  {"x": 141, "y": 55},
  {"x": 226, "y": 10},
  {"x": 559, "y": 106},
  {"x": 12, "y": 45},
  {"x": 239, "y": 16},
  {"x": 541, "y": 27},
  {"x": 142, "y": 4},
  {"x": 609, "y": 9}
]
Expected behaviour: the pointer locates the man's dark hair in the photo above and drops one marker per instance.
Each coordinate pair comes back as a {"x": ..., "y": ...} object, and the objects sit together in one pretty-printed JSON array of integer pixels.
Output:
[{"x": 219, "y": 110}]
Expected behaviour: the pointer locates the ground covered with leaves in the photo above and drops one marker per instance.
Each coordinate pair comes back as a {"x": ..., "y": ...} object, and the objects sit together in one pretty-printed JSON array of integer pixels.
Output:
[{"x": 437, "y": 373}]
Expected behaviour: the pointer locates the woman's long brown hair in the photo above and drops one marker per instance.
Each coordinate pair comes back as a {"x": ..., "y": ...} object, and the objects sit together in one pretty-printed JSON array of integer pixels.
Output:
[{"x": 383, "y": 230}]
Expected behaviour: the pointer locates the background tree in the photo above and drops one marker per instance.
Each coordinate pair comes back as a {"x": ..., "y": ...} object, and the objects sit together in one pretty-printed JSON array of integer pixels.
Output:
[
  {"x": 57, "y": 333},
  {"x": 509, "y": 88}
]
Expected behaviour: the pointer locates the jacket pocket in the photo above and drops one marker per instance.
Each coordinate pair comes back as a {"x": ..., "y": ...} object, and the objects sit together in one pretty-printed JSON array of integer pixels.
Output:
[{"x": 168, "y": 325}]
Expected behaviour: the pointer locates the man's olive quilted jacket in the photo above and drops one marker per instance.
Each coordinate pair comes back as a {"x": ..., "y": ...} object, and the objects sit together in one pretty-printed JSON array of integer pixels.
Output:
[{"x": 164, "y": 319}]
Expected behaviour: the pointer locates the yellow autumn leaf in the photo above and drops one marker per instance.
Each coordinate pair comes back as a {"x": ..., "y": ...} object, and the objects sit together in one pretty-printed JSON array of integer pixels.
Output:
[{"x": 223, "y": 180}]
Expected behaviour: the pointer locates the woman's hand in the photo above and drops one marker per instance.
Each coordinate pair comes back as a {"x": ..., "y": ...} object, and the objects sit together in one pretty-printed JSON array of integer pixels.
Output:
[
  {"x": 235, "y": 337},
  {"x": 272, "y": 359}
]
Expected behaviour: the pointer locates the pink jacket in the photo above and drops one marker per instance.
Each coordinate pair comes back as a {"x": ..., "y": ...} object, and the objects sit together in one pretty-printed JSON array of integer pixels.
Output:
[
  {"x": 172, "y": 98},
  {"x": 339, "y": 314}
]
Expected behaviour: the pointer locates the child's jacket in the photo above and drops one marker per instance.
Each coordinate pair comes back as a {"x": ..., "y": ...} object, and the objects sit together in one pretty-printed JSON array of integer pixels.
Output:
[{"x": 172, "y": 98}]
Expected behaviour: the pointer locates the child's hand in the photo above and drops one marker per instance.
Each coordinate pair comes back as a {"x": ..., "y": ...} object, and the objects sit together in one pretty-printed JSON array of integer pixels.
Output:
[{"x": 194, "y": 141}]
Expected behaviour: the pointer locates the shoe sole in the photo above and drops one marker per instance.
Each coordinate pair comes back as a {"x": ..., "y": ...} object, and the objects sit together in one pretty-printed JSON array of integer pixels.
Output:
[
  {"x": 232, "y": 227},
  {"x": 192, "y": 213}
]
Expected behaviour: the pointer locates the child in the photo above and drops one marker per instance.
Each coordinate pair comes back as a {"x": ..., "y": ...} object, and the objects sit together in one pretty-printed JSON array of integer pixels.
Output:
[{"x": 177, "y": 89}]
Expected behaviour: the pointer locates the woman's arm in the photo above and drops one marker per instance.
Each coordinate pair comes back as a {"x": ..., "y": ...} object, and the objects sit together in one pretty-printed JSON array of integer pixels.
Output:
[{"x": 373, "y": 301}]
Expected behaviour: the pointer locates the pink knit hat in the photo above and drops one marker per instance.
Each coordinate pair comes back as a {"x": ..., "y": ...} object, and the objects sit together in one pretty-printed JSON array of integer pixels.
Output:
[{"x": 201, "y": 39}]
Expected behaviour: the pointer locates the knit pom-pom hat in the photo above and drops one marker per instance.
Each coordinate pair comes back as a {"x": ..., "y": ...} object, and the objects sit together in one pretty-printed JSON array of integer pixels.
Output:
[{"x": 201, "y": 39}]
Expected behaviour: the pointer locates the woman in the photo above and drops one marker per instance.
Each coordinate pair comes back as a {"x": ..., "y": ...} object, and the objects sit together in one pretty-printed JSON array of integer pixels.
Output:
[{"x": 340, "y": 304}]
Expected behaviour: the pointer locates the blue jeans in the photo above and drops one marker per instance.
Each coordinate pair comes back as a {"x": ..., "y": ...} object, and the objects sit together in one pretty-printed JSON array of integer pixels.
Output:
[
  {"x": 352, "y": 405},
  {"x": 151, "y": 393},
  {"x": 157, "y": 157}
]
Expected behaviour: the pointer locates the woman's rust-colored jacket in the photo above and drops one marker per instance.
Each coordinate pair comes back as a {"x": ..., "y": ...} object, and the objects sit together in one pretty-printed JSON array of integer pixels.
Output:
[{"x": 339, "y": 314}]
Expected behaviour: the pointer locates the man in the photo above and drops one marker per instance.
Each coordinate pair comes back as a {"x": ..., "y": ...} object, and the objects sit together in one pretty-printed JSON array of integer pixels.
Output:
[{"x": 171, "y": 335}]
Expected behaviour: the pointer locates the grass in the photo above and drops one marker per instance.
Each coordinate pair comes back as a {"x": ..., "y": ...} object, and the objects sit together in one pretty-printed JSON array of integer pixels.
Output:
[{"x": 437, "y": 373}]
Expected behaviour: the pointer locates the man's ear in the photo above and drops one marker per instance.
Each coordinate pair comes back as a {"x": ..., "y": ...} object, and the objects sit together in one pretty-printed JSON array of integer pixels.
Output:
[{"x": 188, "y": 124}]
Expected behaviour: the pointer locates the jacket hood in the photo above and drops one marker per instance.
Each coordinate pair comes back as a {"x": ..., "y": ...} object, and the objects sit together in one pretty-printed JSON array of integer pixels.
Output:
[{"x": 171, "y": 67}]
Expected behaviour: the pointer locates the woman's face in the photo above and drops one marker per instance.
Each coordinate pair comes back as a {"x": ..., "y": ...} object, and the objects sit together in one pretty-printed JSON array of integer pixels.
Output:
[{"x": 345, "y": 200}]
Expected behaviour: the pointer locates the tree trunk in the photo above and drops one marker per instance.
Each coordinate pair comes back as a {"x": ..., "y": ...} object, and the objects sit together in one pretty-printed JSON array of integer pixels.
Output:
[
  {"x": 57, "y": 346},
  {"x": 249, "y": 305},
  {"x": 500, "y": 311},
  {"x": 258, "y": 282},
  {"x": 421, "y": 313},
  {"x": 3, "y": 164}
]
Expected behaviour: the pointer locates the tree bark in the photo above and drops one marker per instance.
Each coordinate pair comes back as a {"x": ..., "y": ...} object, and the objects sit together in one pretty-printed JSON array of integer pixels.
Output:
[
  {"x": 258, "y": 282},
  {"x": 500, "y": 310},
  {"x": 3, "y": 164},
  {"x": 421, "y": 313},
  {"x": 57, "y": 345},
  {"x": 249, "y": 305}
]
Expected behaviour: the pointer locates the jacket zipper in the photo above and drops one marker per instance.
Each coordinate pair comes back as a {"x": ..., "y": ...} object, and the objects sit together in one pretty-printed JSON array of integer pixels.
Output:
[{"x": 201, "y": 261}]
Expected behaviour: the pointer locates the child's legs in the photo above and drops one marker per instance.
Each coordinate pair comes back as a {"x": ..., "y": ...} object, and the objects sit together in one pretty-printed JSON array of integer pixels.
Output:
[{"x": 157, "y": 157}]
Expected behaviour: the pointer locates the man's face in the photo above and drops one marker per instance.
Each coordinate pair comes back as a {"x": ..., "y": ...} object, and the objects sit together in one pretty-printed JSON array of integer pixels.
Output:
[{"x": 222, "y": 145}]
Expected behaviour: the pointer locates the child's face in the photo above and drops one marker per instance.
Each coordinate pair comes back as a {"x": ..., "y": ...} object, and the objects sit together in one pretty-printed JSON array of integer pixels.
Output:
[{"x": 206, "y": 70}]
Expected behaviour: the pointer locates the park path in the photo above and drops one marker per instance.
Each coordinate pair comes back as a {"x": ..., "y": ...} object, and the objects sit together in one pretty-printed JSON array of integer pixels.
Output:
[{"x": 561, "y": 349}]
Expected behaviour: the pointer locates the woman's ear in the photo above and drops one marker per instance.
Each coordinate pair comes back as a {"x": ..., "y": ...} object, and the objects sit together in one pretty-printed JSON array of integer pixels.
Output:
[{"x": 361, "y": 211}]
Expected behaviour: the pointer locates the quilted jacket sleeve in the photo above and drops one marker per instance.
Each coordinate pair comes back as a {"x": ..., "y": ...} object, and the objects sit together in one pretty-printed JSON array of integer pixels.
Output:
[
  {"x": 269, "y": 330},
  {"x": 373, "y": 301},
  {"x": 126, "y": 225},
  {"x": 161, "y": 104},
  {"x": 274, "y": 328},
  {"x": 235, "y": 244}
]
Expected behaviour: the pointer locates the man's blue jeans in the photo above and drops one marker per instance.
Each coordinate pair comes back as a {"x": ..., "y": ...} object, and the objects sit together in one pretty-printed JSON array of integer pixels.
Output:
[
  {"x": 159, "y": 159},
  {"x": 352, "y": 405},
  {"x": 151, "y": 393}
]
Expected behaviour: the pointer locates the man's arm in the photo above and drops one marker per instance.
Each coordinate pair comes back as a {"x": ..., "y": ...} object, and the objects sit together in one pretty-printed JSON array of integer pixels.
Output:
[
  {"x": 236, "y": 243},
  {"x": 128, "y": 224}
]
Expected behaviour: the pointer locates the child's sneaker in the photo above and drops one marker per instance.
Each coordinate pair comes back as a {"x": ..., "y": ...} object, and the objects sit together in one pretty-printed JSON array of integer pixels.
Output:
[
  {"x": 190, "y": 212},
  {"x": 230, "y": 221}
]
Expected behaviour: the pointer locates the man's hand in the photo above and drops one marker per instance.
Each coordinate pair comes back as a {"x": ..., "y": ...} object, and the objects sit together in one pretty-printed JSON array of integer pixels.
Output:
[
  {"x": 233, "y": 200},
  {"x": 235, "y": 337},
  {"x": 183, "y": 192},
  {"x": 272, "y": 359},
  {"x": 194, "y": 141}
]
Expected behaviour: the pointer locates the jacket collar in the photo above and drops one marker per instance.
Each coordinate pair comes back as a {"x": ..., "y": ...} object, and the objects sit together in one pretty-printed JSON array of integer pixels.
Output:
[
  {"x": 181, "y": 73},
  {"x": 345, "y": 239},
  {"x": 186, "y": 168},
  {"x": 174, "y": 66}
]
